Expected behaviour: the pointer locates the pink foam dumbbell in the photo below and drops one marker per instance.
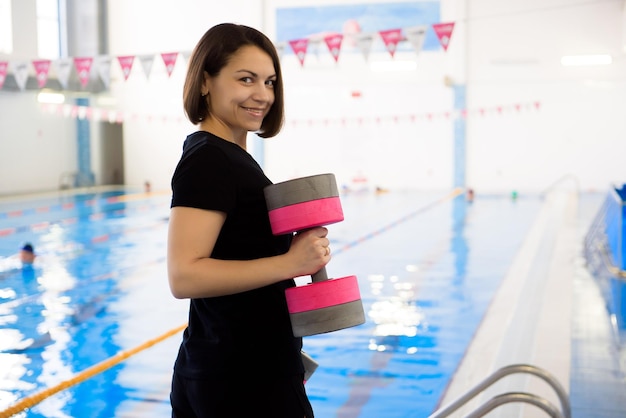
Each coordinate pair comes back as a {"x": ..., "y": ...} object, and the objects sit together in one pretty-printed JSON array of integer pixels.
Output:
[{"x": 324, "y": 305}]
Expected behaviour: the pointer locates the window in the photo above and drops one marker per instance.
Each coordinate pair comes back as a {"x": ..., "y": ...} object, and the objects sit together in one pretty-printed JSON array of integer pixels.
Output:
[
  {"x": 6, "y": 27},
  {"x": 48, "y": 29}
]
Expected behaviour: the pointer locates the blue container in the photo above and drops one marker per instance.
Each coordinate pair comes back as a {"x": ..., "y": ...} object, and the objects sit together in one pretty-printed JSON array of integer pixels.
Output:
[{"x": 615, "y": 229}]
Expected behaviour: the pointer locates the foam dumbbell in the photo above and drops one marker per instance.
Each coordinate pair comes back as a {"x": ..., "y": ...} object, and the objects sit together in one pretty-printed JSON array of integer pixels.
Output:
[{"x": 324, "y": 305}]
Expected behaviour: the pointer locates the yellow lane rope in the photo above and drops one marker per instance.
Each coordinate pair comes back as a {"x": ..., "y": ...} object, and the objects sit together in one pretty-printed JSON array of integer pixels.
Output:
[{"x": 32, "y": 400}]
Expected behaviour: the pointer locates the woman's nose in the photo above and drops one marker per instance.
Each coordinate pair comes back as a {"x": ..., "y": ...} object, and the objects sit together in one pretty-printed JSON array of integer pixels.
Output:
[{"x": 263, "y": 94}]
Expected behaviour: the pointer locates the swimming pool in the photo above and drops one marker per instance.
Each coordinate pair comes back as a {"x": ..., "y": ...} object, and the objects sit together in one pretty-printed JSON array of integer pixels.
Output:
[{"x": 428, "y": 264}]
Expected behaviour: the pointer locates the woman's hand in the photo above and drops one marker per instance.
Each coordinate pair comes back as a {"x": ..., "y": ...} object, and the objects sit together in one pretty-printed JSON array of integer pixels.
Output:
[{"x": 310, "y": 250}]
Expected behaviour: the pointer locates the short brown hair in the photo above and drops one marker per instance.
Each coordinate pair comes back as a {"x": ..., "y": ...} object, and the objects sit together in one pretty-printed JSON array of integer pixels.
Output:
[{"x": 211, "y": 54}]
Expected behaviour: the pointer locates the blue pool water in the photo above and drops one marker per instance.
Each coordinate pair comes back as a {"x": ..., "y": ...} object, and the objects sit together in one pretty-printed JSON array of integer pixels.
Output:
[{"x": 428, "y": 265}]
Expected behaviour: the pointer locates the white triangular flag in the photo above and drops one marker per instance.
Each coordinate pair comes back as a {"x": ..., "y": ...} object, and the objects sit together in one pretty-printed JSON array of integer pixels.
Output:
[
  {"x": 146, "y": 63},
  {"x": 416, "y": 35},
  {"x": 63, "y": 68},
  {"x": 364, "y": 43},
  {"x": 20, "y": 72},
  {"x": 103, "y": 66},
  {"x": 280, "y": 49}
]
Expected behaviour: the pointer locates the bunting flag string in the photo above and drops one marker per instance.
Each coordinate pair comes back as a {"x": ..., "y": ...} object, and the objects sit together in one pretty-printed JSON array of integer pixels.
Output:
[
  {"x": 116, "y": 116},
  {"x": 84, "y": 66}
]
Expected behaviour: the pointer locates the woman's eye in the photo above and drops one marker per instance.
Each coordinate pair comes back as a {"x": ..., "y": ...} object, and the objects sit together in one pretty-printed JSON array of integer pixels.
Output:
[
  {"x": 247, "y": 80},
  {"x": 270, "y": 83}
]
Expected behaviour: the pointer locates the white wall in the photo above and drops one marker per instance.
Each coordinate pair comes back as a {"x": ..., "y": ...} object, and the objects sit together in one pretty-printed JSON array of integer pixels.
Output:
[
  {"x": 34, "y": 147},
  {"x": 504, "y": 52},
  {"x": 581, "y": 126}
]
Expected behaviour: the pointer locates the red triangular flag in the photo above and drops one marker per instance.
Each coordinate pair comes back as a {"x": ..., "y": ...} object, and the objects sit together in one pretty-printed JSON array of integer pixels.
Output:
[
  {"x": 126, "y": 62},
  {"x": 169, "y": 59},
  {"x": 391, "y": 37},
  {"x": 444, "y": 33},
  {"x": 333, "y": 42},
  {"x": 299, "y": 47},
  {"x": 41, "y": 69},
  {"x": 4, "y": 67},
  {"x": 83, "y": 67}
]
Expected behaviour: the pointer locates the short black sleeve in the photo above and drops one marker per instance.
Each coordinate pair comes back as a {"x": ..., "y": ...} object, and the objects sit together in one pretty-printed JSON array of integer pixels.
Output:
[{"x": 203, "y": 179}]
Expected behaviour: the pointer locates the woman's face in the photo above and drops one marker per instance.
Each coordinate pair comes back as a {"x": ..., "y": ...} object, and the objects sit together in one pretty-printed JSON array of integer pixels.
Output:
[{"x": 241, "y": 95}]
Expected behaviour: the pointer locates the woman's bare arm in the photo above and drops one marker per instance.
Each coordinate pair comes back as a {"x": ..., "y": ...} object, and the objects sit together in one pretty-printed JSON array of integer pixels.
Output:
[{"x": 193, "y": 274}]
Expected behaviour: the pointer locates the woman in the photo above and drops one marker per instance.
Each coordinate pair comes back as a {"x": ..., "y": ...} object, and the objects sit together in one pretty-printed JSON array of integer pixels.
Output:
[{"x": 238, "y": 357}]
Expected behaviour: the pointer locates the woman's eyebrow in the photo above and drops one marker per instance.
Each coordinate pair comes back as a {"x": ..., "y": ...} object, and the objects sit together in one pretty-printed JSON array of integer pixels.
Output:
[{"x": 253, "y": 74}]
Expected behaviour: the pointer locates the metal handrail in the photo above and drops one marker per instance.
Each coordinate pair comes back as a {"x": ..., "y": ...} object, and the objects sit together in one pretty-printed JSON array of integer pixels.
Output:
[
  {"x": 499, "y": 374},
  {"x": 510, "y": 397},
  {"x": 560, "y": 180},
  {"x": 608, "y": 264}
]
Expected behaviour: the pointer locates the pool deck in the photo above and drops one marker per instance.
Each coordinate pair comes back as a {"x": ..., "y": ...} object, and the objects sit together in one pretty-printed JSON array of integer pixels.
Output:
[{"x": 547, "y": 313}]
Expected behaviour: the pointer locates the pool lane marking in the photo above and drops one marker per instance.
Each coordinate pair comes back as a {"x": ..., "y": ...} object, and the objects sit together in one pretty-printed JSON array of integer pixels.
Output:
[
  {"x": 454, "y": 193},
  {"x": 32, "y": 400},
  {"x": 45, "y": 225},
  {"x": 73, "y": 205}
]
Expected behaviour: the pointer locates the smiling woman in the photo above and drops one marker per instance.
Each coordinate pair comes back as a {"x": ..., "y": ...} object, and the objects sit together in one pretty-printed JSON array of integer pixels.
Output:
[
  {"x": 222, "y": 254},
  {"x": 240, "y": 96}
]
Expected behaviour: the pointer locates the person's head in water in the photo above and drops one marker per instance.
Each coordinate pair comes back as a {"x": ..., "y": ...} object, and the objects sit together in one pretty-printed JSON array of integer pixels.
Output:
[{"x": 27, "y": 254}]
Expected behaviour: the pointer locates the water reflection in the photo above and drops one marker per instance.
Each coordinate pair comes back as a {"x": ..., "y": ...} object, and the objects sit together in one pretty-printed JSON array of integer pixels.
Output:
[{"x": 51, "y": 313}]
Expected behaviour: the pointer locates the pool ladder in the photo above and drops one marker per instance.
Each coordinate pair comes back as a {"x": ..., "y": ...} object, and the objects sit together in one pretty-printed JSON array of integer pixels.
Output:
[{"x": 510, "y": 397}]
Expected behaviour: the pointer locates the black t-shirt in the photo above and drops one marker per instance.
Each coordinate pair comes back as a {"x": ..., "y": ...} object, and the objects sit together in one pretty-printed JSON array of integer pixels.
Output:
[{"x": 248, "y": 332}]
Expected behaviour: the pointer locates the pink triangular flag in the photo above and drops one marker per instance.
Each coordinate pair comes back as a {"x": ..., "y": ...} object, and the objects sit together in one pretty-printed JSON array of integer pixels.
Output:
[
  {"x": 41, "y": 69},
  {"x": 83, "y": 68},
  {"x": 391, "y": 37},
  {"x": 444, "y": 33},
  {"x": 126, "y": 62},
  {"x": 334, "y": 44},
  {"x": 169, "y": 59},
  {"x": 4, "y": 66},
  {"x": 299, "y": 47}
]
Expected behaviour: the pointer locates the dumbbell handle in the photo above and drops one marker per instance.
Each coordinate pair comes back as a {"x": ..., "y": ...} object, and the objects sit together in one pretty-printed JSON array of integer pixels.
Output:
[{"x": 320, "y": 276}]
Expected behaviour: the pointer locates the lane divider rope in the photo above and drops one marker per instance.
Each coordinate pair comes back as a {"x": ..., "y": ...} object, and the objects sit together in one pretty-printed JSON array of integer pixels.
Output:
[
  {"x": 30, "y": 401},
  {"x": 454, "y": 193}
]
